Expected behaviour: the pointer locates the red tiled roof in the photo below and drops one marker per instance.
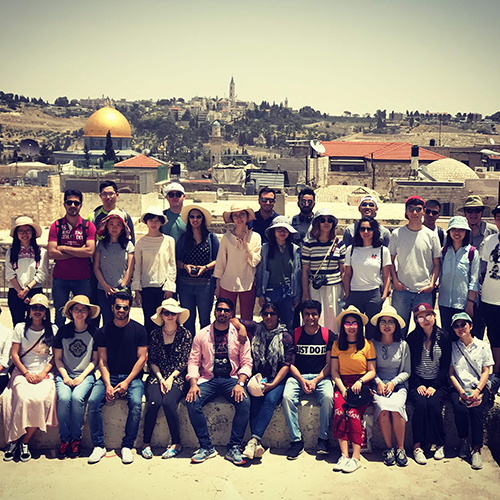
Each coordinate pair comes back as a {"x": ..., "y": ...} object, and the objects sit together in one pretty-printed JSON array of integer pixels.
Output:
[
  {"x": 140, "y": 161},
  {"x": 381, "y": 150}
]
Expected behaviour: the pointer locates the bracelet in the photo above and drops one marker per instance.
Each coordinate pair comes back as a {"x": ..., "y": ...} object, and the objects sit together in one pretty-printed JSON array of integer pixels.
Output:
[
  {"x": 470, "y": 300},
  {"x": 360, "y": 380}
]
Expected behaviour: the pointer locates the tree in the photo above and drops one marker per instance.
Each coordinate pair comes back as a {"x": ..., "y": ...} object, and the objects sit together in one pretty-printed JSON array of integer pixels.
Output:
[
  {"x": 87, "y": 155},
  {"x": 61, "y": 101},
  {"x": 109, "y": 153},
  {"x": 380, "y": 116}
]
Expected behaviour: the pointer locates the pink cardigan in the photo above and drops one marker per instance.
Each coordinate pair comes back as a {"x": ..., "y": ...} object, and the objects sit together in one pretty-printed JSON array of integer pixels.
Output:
[{"x": 201, "y": 359}]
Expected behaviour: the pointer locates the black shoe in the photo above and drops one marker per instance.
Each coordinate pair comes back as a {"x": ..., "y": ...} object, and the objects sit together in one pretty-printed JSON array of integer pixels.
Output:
[
  {"x": 389, "y": 456},
  {"x": 296, "y": 448},
  {"x": 64, "y": 449},
  {"x": 323, "y": 447}
]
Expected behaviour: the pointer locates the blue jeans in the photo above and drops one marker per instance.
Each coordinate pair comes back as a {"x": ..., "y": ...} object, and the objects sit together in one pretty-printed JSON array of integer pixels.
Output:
[
  {"x": 208, "y": 391},
  {"x": 105, "y": 305},
  {"x": 192, "y": 297},
  {"x": 324, "y": 395},
  {"x": 60, "y": 293},
  {"x": 282, "y": 296},
  {"x": 134, "y": 402},
  {"x": 405, "y": 301},
  {"x": 262, "y": 409},
  {"x": 71, "y": 406}
]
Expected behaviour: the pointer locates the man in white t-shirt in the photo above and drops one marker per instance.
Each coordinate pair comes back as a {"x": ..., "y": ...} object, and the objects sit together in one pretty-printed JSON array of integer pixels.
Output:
[{"x": 415, "y": 253}]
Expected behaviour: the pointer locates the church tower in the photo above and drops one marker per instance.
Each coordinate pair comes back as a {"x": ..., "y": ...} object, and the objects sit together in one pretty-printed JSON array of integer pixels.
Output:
[
  {"x": 232, "y": 91},
  {"x": 215, "y": 143}
]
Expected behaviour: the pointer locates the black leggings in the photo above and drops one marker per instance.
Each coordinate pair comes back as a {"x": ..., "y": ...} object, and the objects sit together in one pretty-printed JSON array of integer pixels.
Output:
[
  {"x": 170, "y": 402},
  {"x": 464, "y": 415}
]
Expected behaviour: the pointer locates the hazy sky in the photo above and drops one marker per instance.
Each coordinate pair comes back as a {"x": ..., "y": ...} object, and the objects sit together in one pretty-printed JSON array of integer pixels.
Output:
[{"x": 356, "y": 55}]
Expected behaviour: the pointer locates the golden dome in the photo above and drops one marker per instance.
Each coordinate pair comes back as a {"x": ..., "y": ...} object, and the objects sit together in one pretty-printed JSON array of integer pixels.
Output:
[{"x": 105, "y": 119}]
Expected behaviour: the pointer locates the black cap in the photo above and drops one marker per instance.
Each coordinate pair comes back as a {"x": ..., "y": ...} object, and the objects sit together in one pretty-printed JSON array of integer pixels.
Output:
[{"x": 496, "y": 210}]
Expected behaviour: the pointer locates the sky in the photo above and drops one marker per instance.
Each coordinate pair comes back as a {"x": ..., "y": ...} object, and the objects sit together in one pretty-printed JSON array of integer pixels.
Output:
[{"x": 354, "y": 55}]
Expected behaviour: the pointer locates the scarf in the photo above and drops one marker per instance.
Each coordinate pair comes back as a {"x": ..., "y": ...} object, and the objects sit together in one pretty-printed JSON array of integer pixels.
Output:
[{"x": 275, "y": 352}]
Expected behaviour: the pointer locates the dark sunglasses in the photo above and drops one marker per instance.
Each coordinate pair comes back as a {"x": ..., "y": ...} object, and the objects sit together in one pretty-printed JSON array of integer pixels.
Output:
[
  {"x": 167, "y": 313},
  {"x": 37, "y": 308},
  {"x": 306, "y": 202},
  {"x": 428, "y": 211},
  {"x": 473, "y": 210},
  {"x": 267, "y": 200},
  {"x": 366, "y": 230},
  {"x": 76, "y": 203},
  {"x": 459, "y": 324},
  {"x": 125, "y": 308},
  {"x": 415, "y": 209},
  {"x": 324, "y": 219},
  {"x": 174, "y": 194},
  {"x": 269, "y": 313},
  {"x": 371, "y": 205},
  {"x": 389, "y": 322},
  {"x": 222, "y": 310},
  {"x": 197, "y": 217}
]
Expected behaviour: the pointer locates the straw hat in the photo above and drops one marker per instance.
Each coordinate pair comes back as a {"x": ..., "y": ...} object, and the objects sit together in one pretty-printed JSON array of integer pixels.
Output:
[
  {"x": 119, "y": 214},
  {"x": 392, "y": 313},
  {"x": 254, "y": 387},
  {"x": 84, "y": 301},
  {"x": 352, "y": 310},
  {"x": 185, "y": 213},
  {"x": 154, "y": 211},
  {"x": 281, "y": 221},
  {"x": 238, "y": 206},
  {"x": 26, "y": 221},
  {"x": 473, "y": 201},
  {"x": 173, "y": 306},
  {"x": 39, "y": 298}
]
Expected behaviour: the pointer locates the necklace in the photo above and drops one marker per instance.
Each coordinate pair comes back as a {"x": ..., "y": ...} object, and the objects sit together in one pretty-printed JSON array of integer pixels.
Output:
[
  {"x": 281, "y": 247},
  {"x": 169, "y": 334}
]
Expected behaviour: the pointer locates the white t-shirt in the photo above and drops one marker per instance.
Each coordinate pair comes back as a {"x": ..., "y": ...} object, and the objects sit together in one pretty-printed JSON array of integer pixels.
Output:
[
  {"x": 365, "y": 263},
  {"x": 491, "y": 285},
  {"x": 36, "y": 360},
  {"x": 414, "y": 251},
  {"x": 478, "y": 353}
]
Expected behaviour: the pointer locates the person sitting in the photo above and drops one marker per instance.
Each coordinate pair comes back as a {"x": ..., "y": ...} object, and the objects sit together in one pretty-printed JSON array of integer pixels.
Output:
[{"x": 219, "y": 364}]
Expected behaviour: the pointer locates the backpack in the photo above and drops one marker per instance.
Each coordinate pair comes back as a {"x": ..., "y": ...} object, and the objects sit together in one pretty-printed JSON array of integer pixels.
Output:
[
  {"x": 298, "y": 331},
  {"x": 85, "y": 227},
  {"x": 471, "y": 253}
]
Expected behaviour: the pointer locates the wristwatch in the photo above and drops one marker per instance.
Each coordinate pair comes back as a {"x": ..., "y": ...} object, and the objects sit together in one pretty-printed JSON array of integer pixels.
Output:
[{"x": 242, "y": 384}]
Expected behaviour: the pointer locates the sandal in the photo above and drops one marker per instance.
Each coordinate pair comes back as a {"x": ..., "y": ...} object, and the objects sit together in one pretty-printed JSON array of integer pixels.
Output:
[
  {"x": 172, "y": 452},
  {"x": 146, "y": 452}
]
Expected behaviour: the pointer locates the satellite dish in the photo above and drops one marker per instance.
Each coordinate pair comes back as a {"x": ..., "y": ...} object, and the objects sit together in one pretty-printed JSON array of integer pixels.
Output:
[
  {"x": 29, "y": 147},
  {"x": 220, "y": 192},
  {"x": 146, "y": 152},
  {"x": 317, "y": 146},
  {"x": 489, "y": 152},
  {"x": 492, "y": 141}
]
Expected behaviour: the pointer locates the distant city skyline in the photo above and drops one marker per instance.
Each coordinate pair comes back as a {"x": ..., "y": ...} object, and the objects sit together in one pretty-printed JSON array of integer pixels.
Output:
[{"x": 441, "y": 56}]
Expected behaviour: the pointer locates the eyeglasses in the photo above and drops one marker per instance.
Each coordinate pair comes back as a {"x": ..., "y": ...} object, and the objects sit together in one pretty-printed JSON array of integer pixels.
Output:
[
  {"x": 414, "y": 209},
  {"x": 223, "y": 310},
  {"x": 371, "y": 205},
  {"x": 37, "y": 308},
  {"x": 351, "y": 323},
  {"x": 239, "y": 215},
  {"x": 389, "y": 322},
  {"x": 167, "y": 313},
  {"x": 427, "y": 317},
  {"x": 366, "y": 229},
  {"x": 125, "y": 308},
  {"x": 79, "y": 310},
  {"x": 174, "y": 194},
  {"x": 24, "y": 231},
  {"x": 108, "y": 195},
  {"x": 324, "y": 219},
  {"x": 267, "y": 200},
  {"x": 197, "y": 217},
  {"x": 473, "y": 210},
  {"x": 459, "y": 324},
  {"x": 269, "y": 313},
  {"x": 304, "y": 203},
  {"x": 76, "y": 203},
  {"x": 428, "y": 211}
]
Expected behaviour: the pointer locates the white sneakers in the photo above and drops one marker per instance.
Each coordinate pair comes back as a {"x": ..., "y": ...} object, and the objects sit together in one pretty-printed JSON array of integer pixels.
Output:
[
  {"x": 439, "y": 453},
  {"x": 127, "y": 457},
  {"x": 419, "y": 456},
  {"x": 96, "y": 455},
  {"x": 346, "y": 464},
  {"x": 477, "y": 460}
]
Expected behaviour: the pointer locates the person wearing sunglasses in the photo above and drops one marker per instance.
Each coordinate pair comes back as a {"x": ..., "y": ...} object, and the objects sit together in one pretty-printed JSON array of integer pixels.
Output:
[
  {"x": 174, "y": 225},
  {"x": 473, "y": 210},
  {"x": 196, "y": 252},
  {"x": 219, "y": 364},
  {"x": 391, "y": 383},
  {"x": 323, "y": 256},
  {"x": 352, "y": 366},
  {"x": 71, "y": 244},
  {"x": 266, "y": 214},
  {"x": 168, "y": 354},
  {"x": 430, "y": 351},
  {"x": 272, "y": 353},
  {"x": 471, "y": 360},
  {"x": 122, "y": 345},
  {"x": 368, "y": 207},
  {"x": 302, "y": 221},
  {"x": 431, "y": 215},
  {"x": 415, "y": 254}
]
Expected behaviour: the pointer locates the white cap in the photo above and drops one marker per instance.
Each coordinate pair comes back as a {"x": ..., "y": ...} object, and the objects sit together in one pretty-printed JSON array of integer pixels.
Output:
[{"x": 174, "y": 186}]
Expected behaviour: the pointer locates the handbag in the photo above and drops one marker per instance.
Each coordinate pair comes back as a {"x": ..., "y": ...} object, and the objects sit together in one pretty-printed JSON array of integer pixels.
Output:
[
  {"x": 355, "y": 401},
  {"x": 488, "y": 384},
  {"x": 12, "y": 366},
  {"x": 320, "y": 280}
]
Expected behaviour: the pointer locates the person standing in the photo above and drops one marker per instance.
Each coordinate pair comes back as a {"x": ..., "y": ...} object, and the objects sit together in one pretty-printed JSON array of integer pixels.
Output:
[
  {"x": 302, "y": 221},
  {"x": 266, "y": 214},
  {"x": 431, "y": 215},
  {"x": 416, "y": 251},
  {"x": 71, "y": 245},
  {"x": 5, "y": 361},
  {"x": 174, "y": 226},
  {"x": 123, "y": 348}
]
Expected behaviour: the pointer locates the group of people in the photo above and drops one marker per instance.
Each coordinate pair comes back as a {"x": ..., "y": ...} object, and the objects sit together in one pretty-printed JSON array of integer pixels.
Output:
[{"x": 299, "y": 270}]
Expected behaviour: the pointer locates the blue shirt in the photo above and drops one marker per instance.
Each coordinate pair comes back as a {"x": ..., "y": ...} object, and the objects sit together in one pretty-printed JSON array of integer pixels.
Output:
[{"x": 259, "y": 225}]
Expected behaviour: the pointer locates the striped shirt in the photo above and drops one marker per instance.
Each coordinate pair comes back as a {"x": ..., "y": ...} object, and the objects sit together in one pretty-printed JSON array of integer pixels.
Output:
[
  {"x": 429, "y": 368},
  {"x": 313, "y": 253}
]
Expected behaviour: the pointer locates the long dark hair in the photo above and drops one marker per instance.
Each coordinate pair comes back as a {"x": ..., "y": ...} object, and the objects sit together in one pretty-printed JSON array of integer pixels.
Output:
[
  {"x": 396, "y": 336},
  {"x": 48, "y": 334},
  {"x": 16, "y": 246},
  {"x": 69, "y": 328},
  {"x": 360, "y": 338},
  {"x": 190, "y": 242},
  {"x": 419, "y": 336},
  {"x": 376, "y": 241},
  {"x": 122, "y": 238},
  {"x": 273, "y": 245},
  {"x": 449, "y": 241}
]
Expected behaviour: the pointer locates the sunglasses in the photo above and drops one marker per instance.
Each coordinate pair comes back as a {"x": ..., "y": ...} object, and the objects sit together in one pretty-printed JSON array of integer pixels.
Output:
[
  {"x": 427, "y": 317},
  {"x": 459, "y": 324},
  {"x": 389, "y": 322},
  {"x": 125, "y": 308},
  {"x": 76, "y": 203},
  {"x": 351, "y": 323},
  {"x": 414, "y": 209},
  {"x": 37, "y": 308},
  {"x": 366, "y": 229},
  {"x": 428, "y": 211},
  {"x": 267, "y": 200},
  {"x": 174, "y": 194},
  {"x": 197, "y": 217},
  {"x": 306, "y": 202},
  {"x": 473, "y": 210},
  {"x": 269, "y": 313},
  {"x": 371, "y": 205},
  {"x": 223, "y": 310},
  {"x": 167, "y": 313},
  {"x": 324, "y": 219}
]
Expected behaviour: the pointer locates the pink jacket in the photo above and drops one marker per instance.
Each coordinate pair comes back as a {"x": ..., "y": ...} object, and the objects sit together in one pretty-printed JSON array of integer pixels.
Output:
[{"x": 201, "y": 359}]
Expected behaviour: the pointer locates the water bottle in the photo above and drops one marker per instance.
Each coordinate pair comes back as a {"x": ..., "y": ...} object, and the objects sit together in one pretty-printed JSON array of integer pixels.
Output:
[{"x": 263, "y": 383}]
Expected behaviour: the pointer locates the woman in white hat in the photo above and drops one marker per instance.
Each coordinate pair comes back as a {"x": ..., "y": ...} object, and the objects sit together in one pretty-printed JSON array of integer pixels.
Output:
[
  {"x": 196, "y": 251},
  {"x": 279, "y": 273},
  {"x": 26, "y": 267},
  {"x": 459, "y": 278},
  {"x": 238, "y": 257},
  {"x": 29, "y": 401},
  {"x": 168, "y": 354},
  {"x": 155, "y": 270},
  {"x": 75, "y": 357},
  {"x": 113, "y": 260},
  {"x": 391, "y": 382}
]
